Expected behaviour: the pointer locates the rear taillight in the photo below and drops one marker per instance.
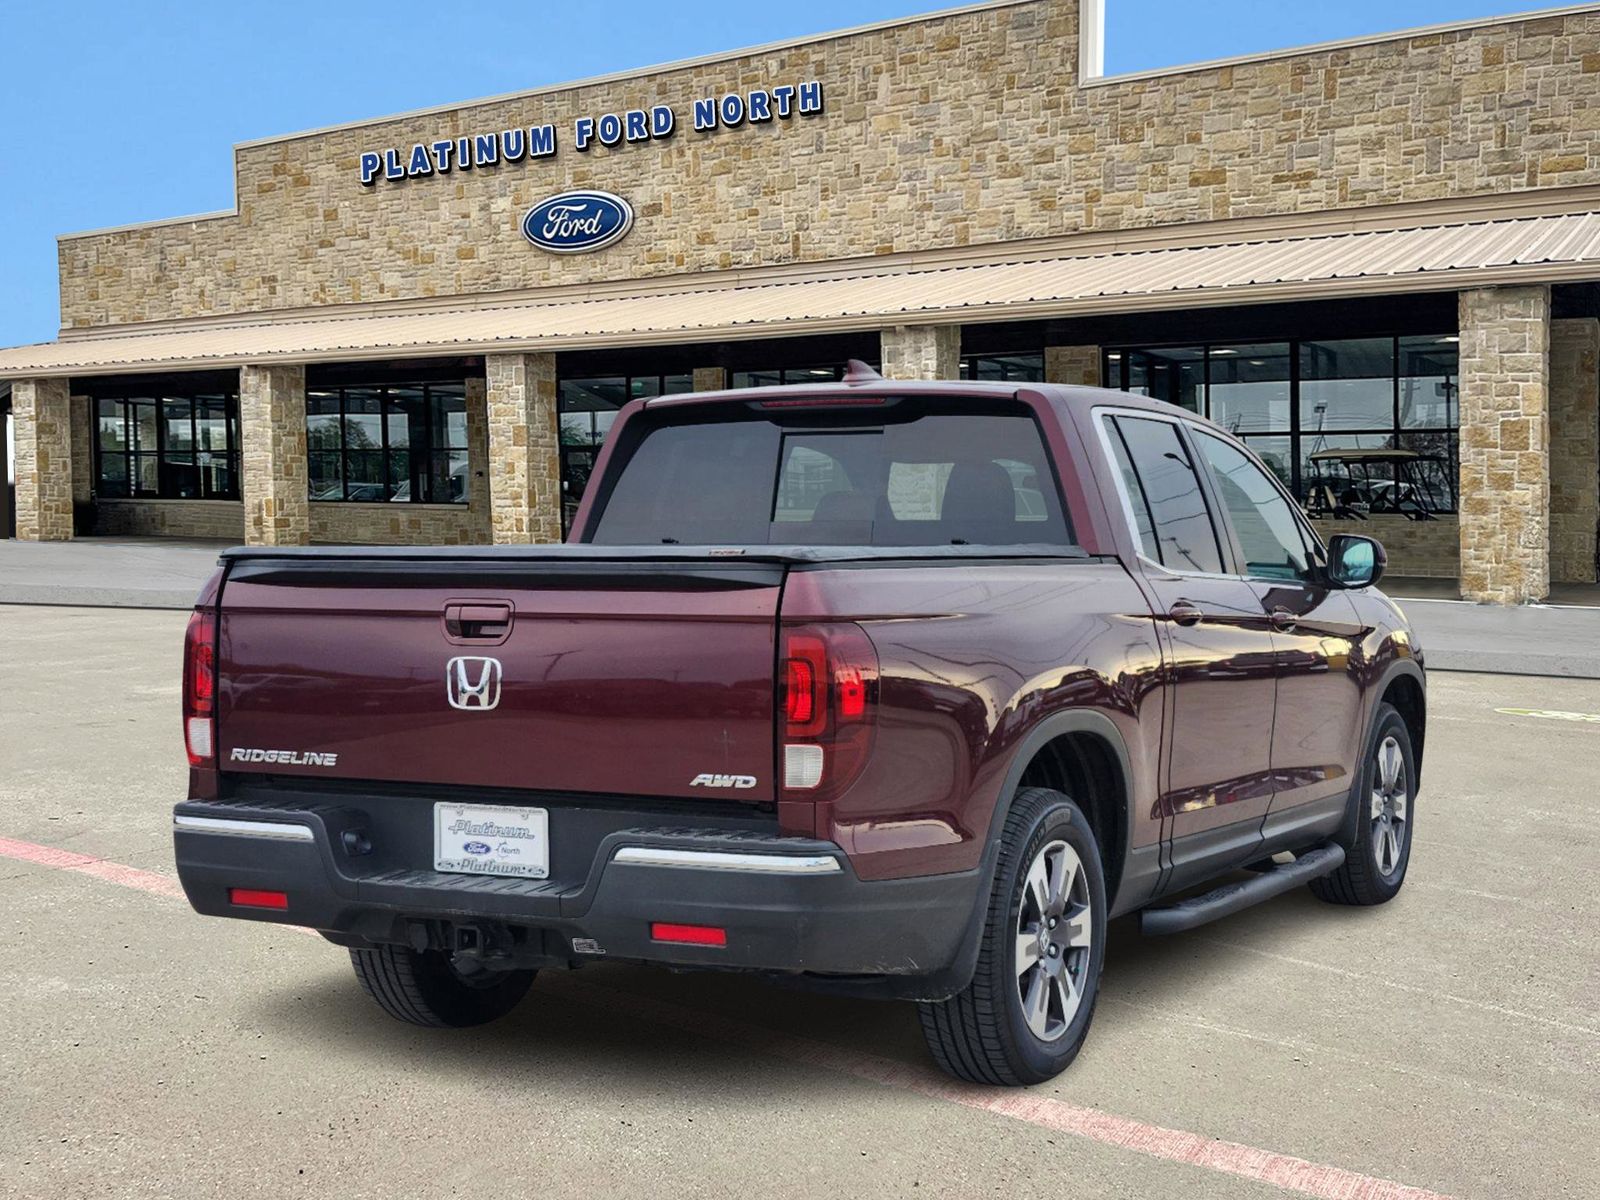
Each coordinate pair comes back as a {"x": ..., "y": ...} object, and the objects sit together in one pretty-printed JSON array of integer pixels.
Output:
[
  {"x": 830, "y": 694},
  {"x": 200, "y": 689}
]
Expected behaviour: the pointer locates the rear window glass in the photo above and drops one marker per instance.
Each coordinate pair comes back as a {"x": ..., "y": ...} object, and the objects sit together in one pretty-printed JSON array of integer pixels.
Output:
[{"x": 934, "y": 479}]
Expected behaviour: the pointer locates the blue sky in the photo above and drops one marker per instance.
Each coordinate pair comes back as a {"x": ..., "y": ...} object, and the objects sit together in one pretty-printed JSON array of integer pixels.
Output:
[{"x": 114, "y": 112}]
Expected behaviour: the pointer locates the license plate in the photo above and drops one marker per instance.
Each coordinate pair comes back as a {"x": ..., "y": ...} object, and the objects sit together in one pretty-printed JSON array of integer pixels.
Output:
[{"x": 484, "y": 839}]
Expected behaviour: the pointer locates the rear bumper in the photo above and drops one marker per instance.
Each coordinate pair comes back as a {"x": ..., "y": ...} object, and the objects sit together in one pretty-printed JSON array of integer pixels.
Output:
[{"x": 789, "y": 906}]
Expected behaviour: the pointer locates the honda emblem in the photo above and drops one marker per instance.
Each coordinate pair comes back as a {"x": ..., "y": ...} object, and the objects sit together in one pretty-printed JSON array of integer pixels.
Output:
[{"x": 472, "y": 684}]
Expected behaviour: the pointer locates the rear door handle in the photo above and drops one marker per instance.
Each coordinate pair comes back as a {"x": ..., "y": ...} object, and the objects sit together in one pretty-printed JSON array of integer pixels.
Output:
[
  {"x": 478, "y": 621},
  {"x": 1184, "y": 613},
  {"x": 1283, "y": 620}
]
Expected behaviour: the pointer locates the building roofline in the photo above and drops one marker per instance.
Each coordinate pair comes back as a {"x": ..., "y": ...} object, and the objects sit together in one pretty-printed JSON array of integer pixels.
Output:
[
  {"x": 1365, "y": 39},
  {"x": 639, "y": 72},
  {"x": 833, "y": 35}
]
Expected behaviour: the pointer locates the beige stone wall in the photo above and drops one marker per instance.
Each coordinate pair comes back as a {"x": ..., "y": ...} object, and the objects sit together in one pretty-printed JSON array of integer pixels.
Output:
[
  {"x": 1076, "y": 365},
  {"x": 274, "y": 473},
  {"x": 922, "y": 352},
  {"x": 41, "y": 430},
  {"x": 1429, "y": 548},
  {"x": 351, "y": 524},
  {"x": 221, "y": 519},
  {"x": 955, "y": 130},
  {"x": 1505, "y": 443},
  {"x": 83, "y": 473},
  {"x": 1574, "y": 449},
  {"x": 524, "y": 453},
  {"x": 710, "y": 379}
]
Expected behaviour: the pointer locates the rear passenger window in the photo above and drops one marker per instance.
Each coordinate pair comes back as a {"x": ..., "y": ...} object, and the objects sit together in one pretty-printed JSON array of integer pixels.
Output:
[{"x": 1168, "y": 489}]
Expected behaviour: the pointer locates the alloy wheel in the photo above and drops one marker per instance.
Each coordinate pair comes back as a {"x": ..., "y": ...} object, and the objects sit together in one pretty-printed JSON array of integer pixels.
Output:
[
  {"x": 1054, "y": 935},
  {"x": 1390, "y": 811}
]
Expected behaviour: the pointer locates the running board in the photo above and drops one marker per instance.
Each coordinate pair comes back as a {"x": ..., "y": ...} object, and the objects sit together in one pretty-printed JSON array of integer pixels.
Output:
[{"x": 1231, "y": 897}]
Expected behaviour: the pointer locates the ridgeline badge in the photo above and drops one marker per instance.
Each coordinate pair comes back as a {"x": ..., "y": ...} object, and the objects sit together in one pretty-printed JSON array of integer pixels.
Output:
[{"x": 578, "y": 222}]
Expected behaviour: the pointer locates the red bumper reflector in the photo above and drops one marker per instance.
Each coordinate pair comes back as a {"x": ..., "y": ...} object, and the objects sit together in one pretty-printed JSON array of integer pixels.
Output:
[
  {"x": 694, "y": 935},
  {"x": 253, "y": 898}
]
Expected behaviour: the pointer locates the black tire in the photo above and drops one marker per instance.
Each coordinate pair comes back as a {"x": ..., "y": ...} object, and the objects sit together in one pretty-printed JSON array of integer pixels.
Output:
[
  {"x": 1373, "y": 873},
  {"x": 982, "y": 1034},
  {"x": 424, "y": 989}
]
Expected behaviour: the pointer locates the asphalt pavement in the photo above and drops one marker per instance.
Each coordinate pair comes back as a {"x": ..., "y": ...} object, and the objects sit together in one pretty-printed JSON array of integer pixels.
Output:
[{"x": 1445, "y": 1044}]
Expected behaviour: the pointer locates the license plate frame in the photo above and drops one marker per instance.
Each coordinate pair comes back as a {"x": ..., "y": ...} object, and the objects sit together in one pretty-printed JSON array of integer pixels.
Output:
[{"x": 514, "y": 841}]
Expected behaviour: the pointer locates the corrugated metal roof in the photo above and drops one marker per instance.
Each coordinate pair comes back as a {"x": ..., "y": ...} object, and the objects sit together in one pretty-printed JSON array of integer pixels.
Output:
[{"x": 1425, "y": 258}]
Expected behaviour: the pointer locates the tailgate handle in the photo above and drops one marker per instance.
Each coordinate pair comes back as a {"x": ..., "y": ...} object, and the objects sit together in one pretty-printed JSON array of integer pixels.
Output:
[{"x": 477, "y": 622}]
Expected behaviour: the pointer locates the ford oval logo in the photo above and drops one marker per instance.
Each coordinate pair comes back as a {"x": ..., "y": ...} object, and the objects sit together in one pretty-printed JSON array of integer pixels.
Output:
[
  {"x": 476, "y": 847},
  {"x": 578, "y": 222}
]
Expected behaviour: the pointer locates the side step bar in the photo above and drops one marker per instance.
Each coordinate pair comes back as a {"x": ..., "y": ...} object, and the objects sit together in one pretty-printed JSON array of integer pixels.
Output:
[{"x": 1231, "y": 897}]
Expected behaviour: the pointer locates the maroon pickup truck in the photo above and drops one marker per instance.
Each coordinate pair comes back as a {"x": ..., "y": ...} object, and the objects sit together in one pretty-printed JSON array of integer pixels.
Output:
[{"x": 898, "y": 689}]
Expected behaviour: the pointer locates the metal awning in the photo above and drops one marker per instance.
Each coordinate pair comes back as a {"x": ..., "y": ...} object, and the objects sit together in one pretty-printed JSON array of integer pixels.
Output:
[{"x": 1539, "y": 249}]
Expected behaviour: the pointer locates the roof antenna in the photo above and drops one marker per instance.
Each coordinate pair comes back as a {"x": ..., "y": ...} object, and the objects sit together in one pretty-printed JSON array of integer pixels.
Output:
[{"x": 857, "y": 372}]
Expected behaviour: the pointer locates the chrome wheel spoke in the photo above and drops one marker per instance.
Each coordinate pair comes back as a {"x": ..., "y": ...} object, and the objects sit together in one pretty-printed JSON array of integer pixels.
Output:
[
  {"x": 1389, "y": 764},
  {"x": 1400, "y": 802},
  {"x": 1062, "y": 874},
  {"x": 1079, "y": 929},
  {"x": 1377, "y": 806},
  {"x": 1027, "y": 949},
  {"x": 1039, "y": 887},
  {"x": 1036, "y": 1003}
]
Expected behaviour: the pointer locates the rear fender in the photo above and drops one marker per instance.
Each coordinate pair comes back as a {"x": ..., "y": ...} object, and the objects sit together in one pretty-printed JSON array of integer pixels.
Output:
[{"x": 954, "y": 979}]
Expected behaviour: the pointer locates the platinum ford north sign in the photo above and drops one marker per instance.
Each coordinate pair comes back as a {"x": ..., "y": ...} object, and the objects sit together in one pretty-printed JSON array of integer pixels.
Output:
[
  {"x": 491, "y": 148},
  {"x": 578, "y": 222}
]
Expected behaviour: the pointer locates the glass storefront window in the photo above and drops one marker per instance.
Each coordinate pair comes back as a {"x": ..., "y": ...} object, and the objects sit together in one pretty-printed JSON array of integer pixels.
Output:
[
  {"x": 586, "y": 409},
  {"x": 380, "y": 444},
  {"x": 1291, "y": 400},
  {"x": 1347, "y": 385},
  {"x": 1004, "y": 368},
  {"x": 173, "y": 446},
  {"x": 1248, "y": 388},
  {"x": 1176, "y": 375}
]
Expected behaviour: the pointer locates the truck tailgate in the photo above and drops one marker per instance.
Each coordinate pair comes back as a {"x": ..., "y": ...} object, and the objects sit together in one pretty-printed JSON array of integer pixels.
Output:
[{"x": 644, "y": 678}]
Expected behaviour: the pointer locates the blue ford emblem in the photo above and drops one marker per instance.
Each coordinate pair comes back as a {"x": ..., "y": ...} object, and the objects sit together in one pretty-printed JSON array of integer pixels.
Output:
[
  {"x": 476, "y": 848},
  {"x": 578, "y": 222}
]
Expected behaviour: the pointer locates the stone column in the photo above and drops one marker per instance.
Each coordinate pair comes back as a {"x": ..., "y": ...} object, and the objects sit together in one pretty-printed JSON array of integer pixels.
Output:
[
  {"x": 1505, "y": 444},
  {"x": 524, "y": 449},
  {"x": 83, "y": 474},
  {"x": 478, "y": 458},
  {"x": 1077, "y": 365},
  {"x": 274, "y": 475},
  {"x": 1574, "y": 449},
  {"x": 710, "y": 379},
  {"x": 922, "y": 352},
  {"x": 41, "y": 424}
]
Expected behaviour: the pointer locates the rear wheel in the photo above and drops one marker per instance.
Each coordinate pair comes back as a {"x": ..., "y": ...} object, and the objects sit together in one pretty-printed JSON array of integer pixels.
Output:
[
  {"x": 1375, "y": 864},
  {"x": 1027, "y": 1011},
  {"x": 423, "y": 988}
]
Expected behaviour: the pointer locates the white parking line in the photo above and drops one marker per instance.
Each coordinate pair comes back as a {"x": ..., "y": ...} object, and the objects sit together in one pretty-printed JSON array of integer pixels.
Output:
[{"x": 1284, "y": 1171}]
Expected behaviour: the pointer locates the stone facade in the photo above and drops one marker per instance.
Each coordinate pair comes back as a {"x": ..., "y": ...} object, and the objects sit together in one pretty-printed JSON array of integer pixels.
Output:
[
  {"x": 219, "y": 519},
  {"x": 1574, "y": 449},
  {"x": 1427, "y": 548},
  {"x": 274, "y": 473},
  {"x": 83, "y": 472},
  {"x": 524, "y": 448},
  {"x": 1077, "y": 365},
  {"x": 949, "y": 131},
  {"x": 922, "y": 352},
  {"x": 41, "y": 417},
  {"x": 1505, "y": 444}
]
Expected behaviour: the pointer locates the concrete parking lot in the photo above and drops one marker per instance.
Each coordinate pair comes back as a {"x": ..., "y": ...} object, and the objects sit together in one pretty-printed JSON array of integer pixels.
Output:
[{"x": 1447, "y": 1044}]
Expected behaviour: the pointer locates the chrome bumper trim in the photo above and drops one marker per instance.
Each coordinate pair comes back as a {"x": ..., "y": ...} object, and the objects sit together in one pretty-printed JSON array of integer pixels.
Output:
[
  {"x": 275, "y": 830},
  {"x": 722, "y": 860}
]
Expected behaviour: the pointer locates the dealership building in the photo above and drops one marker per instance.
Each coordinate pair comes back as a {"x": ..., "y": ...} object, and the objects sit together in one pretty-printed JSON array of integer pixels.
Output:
[{"x": 1377, "y": 261}]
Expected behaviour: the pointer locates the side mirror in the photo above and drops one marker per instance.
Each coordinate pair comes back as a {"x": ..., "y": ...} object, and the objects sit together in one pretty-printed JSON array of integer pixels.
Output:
[{"x": 1355, "y": 561}]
